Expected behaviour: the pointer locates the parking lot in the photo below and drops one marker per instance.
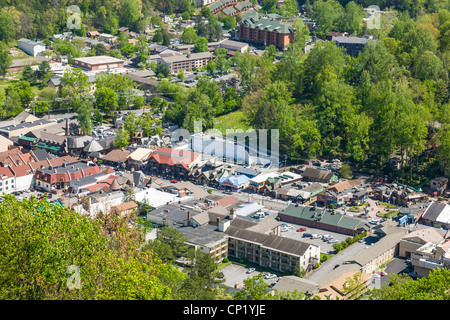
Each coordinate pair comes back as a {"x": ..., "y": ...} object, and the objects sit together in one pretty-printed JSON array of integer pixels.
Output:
[
  {"x": 236, "y": 274},
  {"x": 325, "y": 247}
]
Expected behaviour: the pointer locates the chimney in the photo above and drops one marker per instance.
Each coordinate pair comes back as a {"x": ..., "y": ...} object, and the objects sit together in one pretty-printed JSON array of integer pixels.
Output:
[
  {"x": 188, "y": 218},
  {"x": 67, "y": 127},
  {"x": 218, "y": 221},
  {"x": 232, "y": 214}
]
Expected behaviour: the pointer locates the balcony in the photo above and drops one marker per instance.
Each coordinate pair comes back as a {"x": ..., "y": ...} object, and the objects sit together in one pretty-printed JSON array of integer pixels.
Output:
[{"x": 429, "y": 264}]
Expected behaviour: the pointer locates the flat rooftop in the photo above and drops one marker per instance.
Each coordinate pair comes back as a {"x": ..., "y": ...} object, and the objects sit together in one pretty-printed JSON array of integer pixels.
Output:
[{"x": 98, "y": 60}]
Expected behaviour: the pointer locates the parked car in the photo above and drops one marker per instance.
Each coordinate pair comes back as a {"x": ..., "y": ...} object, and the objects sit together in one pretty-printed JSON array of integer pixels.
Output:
[
  {"x": 332, "y": 241},
  {"x": 307, "y": 235},
  {"x": 271, "y": 285},
  {"x": 266, "y": 213},
  {"x": 315, "y": 236},
  {"x": 284, "y": 229},
  {"x": 336, "y": 266},
  {"x": 326, "y": 236},
  {"x": 270, "y": 276},
  {"x": 301, "y": 229},
  {"x": 250, "y": 270},
  {"x": 174, "y": 181}
]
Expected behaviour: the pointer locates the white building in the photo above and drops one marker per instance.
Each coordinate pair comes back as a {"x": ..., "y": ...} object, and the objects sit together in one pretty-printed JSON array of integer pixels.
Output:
[{"x": 30, "y": 47}]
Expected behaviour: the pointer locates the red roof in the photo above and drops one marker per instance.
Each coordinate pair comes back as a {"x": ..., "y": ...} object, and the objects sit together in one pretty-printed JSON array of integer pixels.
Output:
[
  {"x": 6, "y": 171},
  {"x": 227, "y": 201},
  {"x": 109, "y": 170},
  {"x": 172, "y": 157}
]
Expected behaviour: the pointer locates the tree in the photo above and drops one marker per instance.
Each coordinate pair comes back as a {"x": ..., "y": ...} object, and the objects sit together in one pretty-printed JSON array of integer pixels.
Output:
[
  {"x": 255, "y": 288},
  {"x": 163, "y": 69},
  {"x": 28, "y": 75},
  {"x": 346, "y": 171},
  {"x": 189, "y": 35},
  {"x": 62, "y": 255},
  {"x": 201, "y": 45},
  {"x": 106, "y": 99},
  {"x": 229, "y": 22},
  {"x": 326, "y": 14},
  {"x": 142, "y": 50},
  {"x": 100, "y": 49},
  {"x": 5, "y": 59},
  {"x": 180, "y": 75},
  {"x": 211, "y": 66},
  {"x": 402, "y": 287},
  {"x": 44, "y": 72},
  {"x": 352, "y": 18},
  {"x": 122, "y": 139},
  {"x": 129, "y": 13},
  {"x": 83, "y": 108},
  {"x": 206, "y": 12}
]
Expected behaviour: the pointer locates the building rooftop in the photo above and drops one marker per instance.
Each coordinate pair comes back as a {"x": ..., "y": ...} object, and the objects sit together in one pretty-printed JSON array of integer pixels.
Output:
[{"x": 98, "y": 60}]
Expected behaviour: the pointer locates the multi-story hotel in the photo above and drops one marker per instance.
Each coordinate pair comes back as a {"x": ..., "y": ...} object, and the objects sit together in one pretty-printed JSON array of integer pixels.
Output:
[
  {"x": 265, "y": 30},
  {"x": 186, "y": 62}
]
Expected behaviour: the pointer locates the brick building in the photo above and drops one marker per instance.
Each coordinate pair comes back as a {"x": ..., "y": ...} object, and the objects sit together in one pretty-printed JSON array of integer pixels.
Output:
[
  {"x": 98, "y": 63},
  {"x": 265, "y": 30}
]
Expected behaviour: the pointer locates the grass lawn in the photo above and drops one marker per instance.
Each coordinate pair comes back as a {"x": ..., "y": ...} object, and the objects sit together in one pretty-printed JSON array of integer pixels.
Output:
[{"x": 232, "y": 120}]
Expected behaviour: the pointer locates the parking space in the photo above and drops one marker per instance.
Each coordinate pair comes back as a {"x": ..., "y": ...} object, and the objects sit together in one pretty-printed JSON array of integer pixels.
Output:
[
  {"x": 236, "y": 274},
  {"x": 325, "y": 247}
]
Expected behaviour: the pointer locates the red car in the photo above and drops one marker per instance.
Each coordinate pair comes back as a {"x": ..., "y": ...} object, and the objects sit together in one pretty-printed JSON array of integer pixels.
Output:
[
  {"x": 301, "y": 229},
  {"x": 174, "y": 181}
]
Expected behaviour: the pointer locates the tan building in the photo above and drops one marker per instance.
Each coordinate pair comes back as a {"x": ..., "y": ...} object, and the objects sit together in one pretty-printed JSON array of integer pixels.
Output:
[
  {"x": 125, "y": 208},
  {"x": 98, "y": 63},
  {"x": 186, "y": 62},
  {"x": 411, "y": 242}
]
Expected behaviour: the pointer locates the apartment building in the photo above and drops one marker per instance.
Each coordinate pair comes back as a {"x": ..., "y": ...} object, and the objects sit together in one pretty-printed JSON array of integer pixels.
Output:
[
  {"x": 186, "y": 62},
  {"x": 264, "y": 30},
  {"x": 269, "y": 250}
]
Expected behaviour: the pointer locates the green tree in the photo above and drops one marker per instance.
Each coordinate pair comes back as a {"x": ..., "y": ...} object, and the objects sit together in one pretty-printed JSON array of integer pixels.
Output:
[
  {"x": 211, "y": 66},
  {"x": 122, "y": 139},
  {"x": 201, "y": 44},
  {"x": 255, "y": 288},
  {"x": 28, "y": 75},
  {"x": 346, "y": 171},
  {"x": 53, "y": 238},
  {"x": 402, "y": 287},
  {"x": 189, "y": 35},
  {"x": 5, "y": 59},
  {"x": 83, "y": 108},
  {"x": 106, "y": 100}
]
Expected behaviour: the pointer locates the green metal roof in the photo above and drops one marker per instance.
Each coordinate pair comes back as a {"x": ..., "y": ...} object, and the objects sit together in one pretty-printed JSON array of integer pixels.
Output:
[
  {"x": 27, "y": 138},
  {"x": 325, "y": 217},
  {"x": 43, "y": 145}
]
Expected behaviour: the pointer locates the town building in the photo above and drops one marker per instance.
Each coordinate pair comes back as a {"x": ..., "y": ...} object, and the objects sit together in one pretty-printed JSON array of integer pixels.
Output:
[
  {"x": 438, "y": 185},
  {"x": 436, "y": 215},
  {"x": 349, "y": 192},
  {"x": 352, "y": 45},
  {"x": 30, "y": 47},
  {"x": 98, "y": 63},
  {"x": 172, "y": 162},
  {"x": 264, "y": 30},
  {"x": 317, "y": 175},
  {"x": 54, "y": 178},
  {"x": 188, "y": 62},
  {"x": 322, "y": 218}
]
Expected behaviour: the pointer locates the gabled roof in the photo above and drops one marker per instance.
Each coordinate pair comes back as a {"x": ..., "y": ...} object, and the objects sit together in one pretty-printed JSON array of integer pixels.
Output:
[
  {"x": 318, "y": 174},
  {"x": 172, "y": 157}
]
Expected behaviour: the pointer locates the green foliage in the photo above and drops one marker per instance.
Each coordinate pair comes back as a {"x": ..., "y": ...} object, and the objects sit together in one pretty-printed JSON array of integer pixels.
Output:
[
  {"x": 402, "y": 287},
  {"x": 36, "y": 260}
]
